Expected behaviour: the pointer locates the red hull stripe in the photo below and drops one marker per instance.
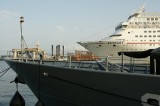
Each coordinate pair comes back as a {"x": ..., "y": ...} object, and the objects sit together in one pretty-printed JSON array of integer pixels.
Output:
[{"x": 143, "y": 43}]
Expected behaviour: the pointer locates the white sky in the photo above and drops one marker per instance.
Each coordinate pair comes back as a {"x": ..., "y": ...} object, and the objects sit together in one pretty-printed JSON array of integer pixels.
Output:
[{"x": 64, "y": 22}]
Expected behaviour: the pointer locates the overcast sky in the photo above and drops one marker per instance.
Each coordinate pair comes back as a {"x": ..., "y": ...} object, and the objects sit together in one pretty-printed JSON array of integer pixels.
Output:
[{"x": 64, "y": 22}]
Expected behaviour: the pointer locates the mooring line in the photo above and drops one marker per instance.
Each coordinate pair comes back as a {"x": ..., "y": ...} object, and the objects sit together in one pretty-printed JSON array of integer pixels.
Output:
[{"x": 4, "y": 71}]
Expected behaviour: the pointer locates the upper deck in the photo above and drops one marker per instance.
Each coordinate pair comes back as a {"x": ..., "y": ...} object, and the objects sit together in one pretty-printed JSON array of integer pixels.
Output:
[
  {"x": 149, "y": 14},
  {"x": 141, "y": 20}
]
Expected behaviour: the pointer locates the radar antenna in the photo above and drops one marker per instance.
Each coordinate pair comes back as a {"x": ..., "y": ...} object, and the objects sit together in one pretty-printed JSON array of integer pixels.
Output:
[{"x": 141, "y": 9}]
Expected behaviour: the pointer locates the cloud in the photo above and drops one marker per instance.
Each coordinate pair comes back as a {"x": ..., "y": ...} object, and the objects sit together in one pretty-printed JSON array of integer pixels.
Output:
[
  {"x": 7, "y": 14},
  {"x": 60, "y": 29},
  {"x": 5, "y": 49}
]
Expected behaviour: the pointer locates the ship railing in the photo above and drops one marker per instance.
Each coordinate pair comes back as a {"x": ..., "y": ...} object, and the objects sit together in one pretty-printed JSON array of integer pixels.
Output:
[
  {"x": 131, "y": 65},
  {"x": 112, "y": 67},
  {"x": 134, "y": 67},
  {"x": 150, "y": 14},
  {"x": 76, "y": 64},
  {"x": 105, "y": 65},
  {"x": 102, "y": 65},
  {"x": 119, "y": 68}
]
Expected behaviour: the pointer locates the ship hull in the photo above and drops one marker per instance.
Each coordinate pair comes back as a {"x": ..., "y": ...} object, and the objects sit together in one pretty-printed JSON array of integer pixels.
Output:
[
  {"x": 59, "y": 86},
  {"x": 111, "y": 52}
]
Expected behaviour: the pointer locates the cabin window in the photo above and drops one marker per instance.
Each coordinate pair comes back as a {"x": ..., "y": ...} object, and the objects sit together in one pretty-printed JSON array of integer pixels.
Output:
[
  {"x": 154, "y": 31},
  {"x": 116, "y": 35},
  {"x": 145, "y": 31},
  {"x": 145, "y": 35},
  {"x": 150, "y": 36},
  {"x": 141, "y": 36},
  {"x": 149, "y": 31},
  {"x": 156, "y": 19},
  {"x": 158, "y": 35},
  {"x": 148, "y": 19},
  {"x": 154, "y": 35},
  {"x": 136, "y": 35},
  {"x": 152, "y": 19}
]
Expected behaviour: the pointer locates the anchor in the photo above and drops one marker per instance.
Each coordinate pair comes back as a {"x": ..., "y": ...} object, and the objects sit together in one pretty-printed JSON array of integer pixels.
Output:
[
  {"x": 18, "y": 80},
  {"x": 17, "y": 99}
]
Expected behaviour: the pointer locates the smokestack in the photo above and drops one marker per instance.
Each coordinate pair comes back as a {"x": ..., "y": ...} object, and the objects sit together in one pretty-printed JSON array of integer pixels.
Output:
[
  {"x": 58, "y": 50},
  {"x": 63, "y": 50},
  {"x": 52, "y": 50}
]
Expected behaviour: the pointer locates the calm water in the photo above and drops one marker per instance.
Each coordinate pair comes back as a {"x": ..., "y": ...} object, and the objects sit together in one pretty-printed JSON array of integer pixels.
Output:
[{"x": 7, "y": 89}]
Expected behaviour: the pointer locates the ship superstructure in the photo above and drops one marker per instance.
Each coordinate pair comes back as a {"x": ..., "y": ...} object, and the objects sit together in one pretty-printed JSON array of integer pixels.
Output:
[{"x": 140, "y": 32}]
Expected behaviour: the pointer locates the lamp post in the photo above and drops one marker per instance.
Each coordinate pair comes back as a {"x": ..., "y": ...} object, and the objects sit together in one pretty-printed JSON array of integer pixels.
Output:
[{"x": 21, "y": 21}]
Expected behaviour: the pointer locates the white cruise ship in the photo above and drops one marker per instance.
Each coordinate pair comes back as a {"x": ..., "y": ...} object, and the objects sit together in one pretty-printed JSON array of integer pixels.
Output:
[{"x": 140, "y": 32}]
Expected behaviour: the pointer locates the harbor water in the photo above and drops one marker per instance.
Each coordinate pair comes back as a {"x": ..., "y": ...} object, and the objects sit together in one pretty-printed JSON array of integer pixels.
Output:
[{"x": 7, "y": 89}]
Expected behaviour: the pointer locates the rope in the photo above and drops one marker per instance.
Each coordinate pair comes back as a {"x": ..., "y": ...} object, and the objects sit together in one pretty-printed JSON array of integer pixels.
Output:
[
  {"x": 4, "y": 71},
  {"x": 109, "y": 93}
]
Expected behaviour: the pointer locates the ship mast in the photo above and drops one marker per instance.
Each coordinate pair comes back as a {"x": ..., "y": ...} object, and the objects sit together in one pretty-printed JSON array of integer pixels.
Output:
[{"x": 21, "y": 21}]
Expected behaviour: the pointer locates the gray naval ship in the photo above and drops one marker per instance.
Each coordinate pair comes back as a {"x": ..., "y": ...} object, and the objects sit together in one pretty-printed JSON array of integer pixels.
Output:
[{"x": 90, "y": 83}]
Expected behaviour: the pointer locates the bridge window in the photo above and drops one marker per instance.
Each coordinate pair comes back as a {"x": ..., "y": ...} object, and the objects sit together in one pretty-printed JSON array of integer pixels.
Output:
[
  {"x": 116, "y": 35},
  {"x": 148, "y": 19},
  {"x": 156, "y": 19}
]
